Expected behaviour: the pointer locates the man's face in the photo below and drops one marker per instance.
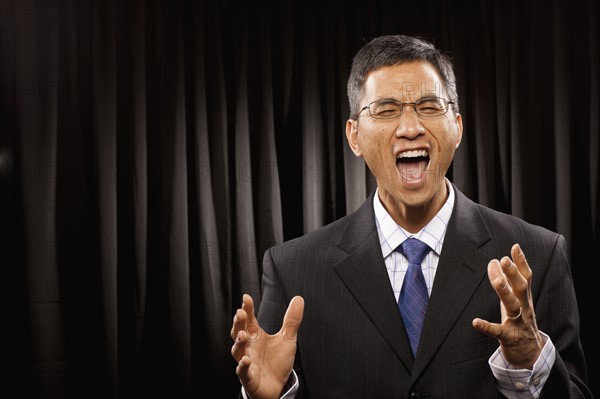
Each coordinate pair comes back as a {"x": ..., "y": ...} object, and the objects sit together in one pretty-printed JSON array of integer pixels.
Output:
[{"x": 408, "y": 155}]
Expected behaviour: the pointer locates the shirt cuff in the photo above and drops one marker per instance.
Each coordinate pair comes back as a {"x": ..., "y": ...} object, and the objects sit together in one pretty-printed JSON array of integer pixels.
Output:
[
  {"x": 289, "y": 389},
  {"x": 523, "y": 383},
  {"x": 293, "y": 384}
]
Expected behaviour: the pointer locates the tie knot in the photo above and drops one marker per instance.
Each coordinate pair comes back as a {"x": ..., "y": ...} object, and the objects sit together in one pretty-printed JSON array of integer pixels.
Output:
[{"x": 414, "y": 250}]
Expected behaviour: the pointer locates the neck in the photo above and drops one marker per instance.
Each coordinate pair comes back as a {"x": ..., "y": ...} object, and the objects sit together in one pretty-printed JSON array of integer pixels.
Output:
[{"x": 413, "y": 218}]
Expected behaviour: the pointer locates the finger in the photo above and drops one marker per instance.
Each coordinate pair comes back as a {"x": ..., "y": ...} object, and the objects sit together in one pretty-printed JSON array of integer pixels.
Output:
[
  {"x": 293, "y": 318},
  {"x": 494, "y": 270},
  {"x": 252, "y": 326},
  {"x": 238, "y": 349},
  {"x": 491, "y": 329},
  {"x": 516, "y": 280},
  {"x": 502, "y": 287},
  {"x": 239, "y": 323},
  {"x": 243, "y": 370},
  {"x": 248, "y": 307},
  {"x": 519, "y": 258}
]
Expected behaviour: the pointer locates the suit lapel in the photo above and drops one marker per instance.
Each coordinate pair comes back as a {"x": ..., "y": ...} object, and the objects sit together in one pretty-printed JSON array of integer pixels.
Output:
[
  {"x": 364, "y": 274},
  {"x": 461, "y": 269}
]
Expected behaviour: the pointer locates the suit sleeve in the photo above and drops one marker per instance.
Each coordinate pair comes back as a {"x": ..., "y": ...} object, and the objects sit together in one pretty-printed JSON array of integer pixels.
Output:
[
  {"x": 557, "y": 315},
  {"x": 275, "y": 301}
]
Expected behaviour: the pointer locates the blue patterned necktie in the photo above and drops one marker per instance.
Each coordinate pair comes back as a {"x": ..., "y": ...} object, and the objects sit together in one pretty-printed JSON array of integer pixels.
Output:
[{"x": 413, "y": 295}]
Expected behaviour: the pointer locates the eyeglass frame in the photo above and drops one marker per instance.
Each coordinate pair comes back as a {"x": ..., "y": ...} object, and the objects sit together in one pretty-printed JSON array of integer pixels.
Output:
[{"x": 402, "y": 104}]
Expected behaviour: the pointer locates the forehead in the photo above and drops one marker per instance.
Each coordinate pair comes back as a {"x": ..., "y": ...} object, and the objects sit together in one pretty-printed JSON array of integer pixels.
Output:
[{"x": 406, "y": 82}]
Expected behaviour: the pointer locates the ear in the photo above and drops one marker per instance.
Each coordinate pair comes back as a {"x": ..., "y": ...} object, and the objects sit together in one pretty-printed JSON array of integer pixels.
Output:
[
  {"x": 459, "y": 127},
  {"x": 352, "y": 136}
]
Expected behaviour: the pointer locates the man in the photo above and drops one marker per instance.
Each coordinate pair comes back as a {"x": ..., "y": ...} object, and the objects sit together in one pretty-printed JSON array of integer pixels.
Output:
[{"x": 361, "y": 322}]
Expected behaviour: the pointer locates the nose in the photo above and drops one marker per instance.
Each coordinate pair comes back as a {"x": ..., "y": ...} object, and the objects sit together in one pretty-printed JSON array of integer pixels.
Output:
[{"x": 409, "y": 124}]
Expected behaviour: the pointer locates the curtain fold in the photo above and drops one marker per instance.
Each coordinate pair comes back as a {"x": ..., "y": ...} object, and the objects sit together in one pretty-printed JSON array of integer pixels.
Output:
[
  {"x": 151, "y": 151},
  {"x": 37, "y": 92},
  {"x": 103, "y": 92}
]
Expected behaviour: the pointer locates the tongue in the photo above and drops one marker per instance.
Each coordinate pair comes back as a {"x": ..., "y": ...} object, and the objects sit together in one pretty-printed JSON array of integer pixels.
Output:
[{"x": 412, "y": 170}]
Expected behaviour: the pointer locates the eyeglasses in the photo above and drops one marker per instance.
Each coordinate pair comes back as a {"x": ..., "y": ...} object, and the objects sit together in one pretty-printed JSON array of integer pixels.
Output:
[{"x": 389, "y": 108}]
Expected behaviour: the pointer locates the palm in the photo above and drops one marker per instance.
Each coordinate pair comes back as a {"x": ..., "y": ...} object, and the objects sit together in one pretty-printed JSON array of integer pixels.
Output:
[
  {"x": 272, "y": 360},
  {"x": 265, "y": 361}
]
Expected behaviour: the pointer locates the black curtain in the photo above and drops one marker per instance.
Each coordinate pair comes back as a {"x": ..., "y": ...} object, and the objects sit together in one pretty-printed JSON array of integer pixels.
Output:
[{"x": 150, "y": 151}]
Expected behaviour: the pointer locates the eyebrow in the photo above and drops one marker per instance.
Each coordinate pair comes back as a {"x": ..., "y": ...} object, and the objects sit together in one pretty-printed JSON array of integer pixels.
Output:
[{"x": 393, "y": 100}]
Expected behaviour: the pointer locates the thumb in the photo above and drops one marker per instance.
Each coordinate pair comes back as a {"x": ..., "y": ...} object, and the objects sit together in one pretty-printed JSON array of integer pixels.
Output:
[
  {"x": 493, "y": 330},
  {"x": 293, "y": 318}
]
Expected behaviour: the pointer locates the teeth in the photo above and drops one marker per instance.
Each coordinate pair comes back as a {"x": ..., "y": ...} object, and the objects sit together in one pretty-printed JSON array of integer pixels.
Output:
[{"x": 413, "y": 154}]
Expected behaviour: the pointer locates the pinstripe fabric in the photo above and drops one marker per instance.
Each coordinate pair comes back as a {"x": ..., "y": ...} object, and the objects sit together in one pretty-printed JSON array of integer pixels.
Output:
[{"x": 352, "y": 342}]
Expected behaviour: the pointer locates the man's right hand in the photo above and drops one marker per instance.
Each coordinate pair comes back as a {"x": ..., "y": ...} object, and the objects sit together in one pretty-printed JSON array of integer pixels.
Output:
[{"x": 265, "y": 361}]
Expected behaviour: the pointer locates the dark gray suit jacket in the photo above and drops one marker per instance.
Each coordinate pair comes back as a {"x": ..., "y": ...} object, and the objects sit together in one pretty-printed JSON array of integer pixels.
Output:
[{"x": 352, "y": 342}]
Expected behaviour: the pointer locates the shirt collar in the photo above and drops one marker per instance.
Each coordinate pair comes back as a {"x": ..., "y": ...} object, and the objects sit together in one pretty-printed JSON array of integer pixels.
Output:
[{"x": 391, "y": 234}]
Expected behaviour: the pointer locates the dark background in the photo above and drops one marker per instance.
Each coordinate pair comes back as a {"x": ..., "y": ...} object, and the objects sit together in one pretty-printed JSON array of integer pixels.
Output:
[{"x": 150, "y": 151}]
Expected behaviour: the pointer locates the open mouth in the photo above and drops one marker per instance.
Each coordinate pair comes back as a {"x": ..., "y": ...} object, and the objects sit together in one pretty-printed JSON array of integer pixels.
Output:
[{"x": 412, "y": 164}]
